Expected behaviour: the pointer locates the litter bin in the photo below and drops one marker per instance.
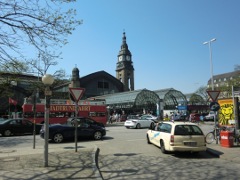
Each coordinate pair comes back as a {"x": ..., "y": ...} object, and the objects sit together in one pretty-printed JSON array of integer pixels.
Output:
[{"x": 226, "y": 138}]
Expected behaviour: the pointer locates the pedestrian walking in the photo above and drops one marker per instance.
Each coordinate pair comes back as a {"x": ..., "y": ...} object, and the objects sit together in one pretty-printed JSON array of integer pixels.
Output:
[{"x": 110, "y": 119}]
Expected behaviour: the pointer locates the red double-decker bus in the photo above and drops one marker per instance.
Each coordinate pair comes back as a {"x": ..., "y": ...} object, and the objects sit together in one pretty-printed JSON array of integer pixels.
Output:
[{"x": 61, "y": 110}]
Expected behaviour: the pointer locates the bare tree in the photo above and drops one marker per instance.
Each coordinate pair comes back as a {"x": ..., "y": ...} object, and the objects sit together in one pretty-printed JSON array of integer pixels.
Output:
[
  {"x": 37, "y": 26},
  {"x": 202, "y": 91},
  {"x": 43, "y": 63},
  {"x": 196, "y": 99},
  {"x": 34, "y": 25}
]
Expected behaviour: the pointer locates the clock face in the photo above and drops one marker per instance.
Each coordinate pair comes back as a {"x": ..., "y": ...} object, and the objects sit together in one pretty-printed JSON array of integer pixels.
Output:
[
  {"x": 128, "y": 58},
  {"x": 120, "y": 58}
]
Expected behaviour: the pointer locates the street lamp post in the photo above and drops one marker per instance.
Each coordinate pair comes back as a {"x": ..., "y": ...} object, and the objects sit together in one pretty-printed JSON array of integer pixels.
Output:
[
  {"x": 211, "y": 67},
  {"x": 47, "y": 80},
  {"x": 211, "y": 64}
]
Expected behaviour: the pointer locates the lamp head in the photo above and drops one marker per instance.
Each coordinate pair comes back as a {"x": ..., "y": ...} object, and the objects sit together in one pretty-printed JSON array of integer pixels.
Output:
[
  {"x": 214, "y": 39},
  {"x": 47, "y": 79}
]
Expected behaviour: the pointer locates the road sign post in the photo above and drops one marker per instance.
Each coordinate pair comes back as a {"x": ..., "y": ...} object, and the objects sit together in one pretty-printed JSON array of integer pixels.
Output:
[
  {"x": 76, "y": 94},
  {"x": 214, "y": 106},
  {"x": 235, "y": 96}
]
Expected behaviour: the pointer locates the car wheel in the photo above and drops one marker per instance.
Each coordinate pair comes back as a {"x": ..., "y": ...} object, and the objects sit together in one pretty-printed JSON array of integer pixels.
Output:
[
  {"x": 7, "y": 133},
  {"x": 97, "y": 135},
  {"x": 148, "y": 141},
  {"x": 151, "y": 125},
  {"x": 162, "y": 147},
  {"x": 138, "y": 126},
  {"x": 58, "y": 138}
]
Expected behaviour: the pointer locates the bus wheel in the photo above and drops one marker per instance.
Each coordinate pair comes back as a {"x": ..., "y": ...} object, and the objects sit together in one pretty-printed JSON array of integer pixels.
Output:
[
  {"x": 97, "y": 135},
  {"x": 58, "y": 138}
]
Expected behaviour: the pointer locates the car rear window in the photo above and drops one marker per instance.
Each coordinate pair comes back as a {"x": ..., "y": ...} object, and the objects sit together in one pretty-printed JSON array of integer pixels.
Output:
[{"x": 187, "y": 130}]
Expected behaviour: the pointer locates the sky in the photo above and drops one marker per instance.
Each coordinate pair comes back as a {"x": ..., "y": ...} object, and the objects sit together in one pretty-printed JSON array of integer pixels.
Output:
[{"x": 165, "y": 38}]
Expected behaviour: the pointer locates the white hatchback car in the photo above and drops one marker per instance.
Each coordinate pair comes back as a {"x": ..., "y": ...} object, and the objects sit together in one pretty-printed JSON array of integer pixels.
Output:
[
  {"x": 136, "y": 122},
  {"x": 177, "y": 136}
]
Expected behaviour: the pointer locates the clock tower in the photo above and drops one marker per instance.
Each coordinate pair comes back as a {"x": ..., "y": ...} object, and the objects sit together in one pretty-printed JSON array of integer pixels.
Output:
[{"x": 125, "y": 70}]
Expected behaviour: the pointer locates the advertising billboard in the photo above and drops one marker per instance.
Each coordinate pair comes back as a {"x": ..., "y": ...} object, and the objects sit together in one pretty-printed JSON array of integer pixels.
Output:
[{"x": 226, "y": 111}]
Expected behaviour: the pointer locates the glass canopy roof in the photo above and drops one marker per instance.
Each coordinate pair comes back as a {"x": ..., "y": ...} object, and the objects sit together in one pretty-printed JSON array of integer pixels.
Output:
[{"x": 144, "y": 98}]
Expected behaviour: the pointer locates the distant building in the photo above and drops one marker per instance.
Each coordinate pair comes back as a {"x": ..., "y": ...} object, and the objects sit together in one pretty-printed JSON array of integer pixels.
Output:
[
  {"x": 102, "y": 83},
  {"x": 224, "y": 79}
]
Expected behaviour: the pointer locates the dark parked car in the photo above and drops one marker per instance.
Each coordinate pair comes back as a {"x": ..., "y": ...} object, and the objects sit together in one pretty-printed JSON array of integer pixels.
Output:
[
  {"x": 86, "y": 128},
  {"x": 21, "y": 126}
]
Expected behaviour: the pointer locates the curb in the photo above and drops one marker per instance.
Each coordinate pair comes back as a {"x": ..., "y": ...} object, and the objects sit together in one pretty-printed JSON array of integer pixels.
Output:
[{"x": 96, "y": 168}]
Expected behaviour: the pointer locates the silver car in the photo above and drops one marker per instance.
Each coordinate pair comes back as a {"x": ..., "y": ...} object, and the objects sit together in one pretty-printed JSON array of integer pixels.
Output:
[{"x": 136, "y": 122}]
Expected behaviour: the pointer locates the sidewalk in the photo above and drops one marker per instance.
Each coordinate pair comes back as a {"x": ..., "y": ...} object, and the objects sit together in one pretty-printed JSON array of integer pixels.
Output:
[
  {"x": 231, "y": 154},
  {"x": 62, "y": 164},
  {"x": 68, "y": 164}
]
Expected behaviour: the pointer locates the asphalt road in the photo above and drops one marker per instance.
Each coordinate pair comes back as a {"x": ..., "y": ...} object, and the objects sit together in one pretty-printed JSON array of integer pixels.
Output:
[{"x": 125, "y": 154}]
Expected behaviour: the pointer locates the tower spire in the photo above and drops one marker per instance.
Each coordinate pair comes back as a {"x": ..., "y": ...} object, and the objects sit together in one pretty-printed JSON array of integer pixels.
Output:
[
  {"x": 124, "y": 38},
  {"x": 124, "y": 46},
  {"x": 125, "y": 70}
]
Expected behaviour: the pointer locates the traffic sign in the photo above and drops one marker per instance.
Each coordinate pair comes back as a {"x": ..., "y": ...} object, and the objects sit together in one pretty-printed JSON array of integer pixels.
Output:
[
  {"x": 213, "y": 95},
  {"x": 76, "y": 93},
  {"x": 214, "y": 106}
]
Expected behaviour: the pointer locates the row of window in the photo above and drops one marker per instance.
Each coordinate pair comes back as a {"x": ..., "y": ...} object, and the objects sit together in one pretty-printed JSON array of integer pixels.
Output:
[{"x": 224, "y": 79}]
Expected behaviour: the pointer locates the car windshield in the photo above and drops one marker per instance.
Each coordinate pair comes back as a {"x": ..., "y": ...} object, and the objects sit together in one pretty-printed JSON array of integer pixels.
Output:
[{"x": 187, "y": 130}]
